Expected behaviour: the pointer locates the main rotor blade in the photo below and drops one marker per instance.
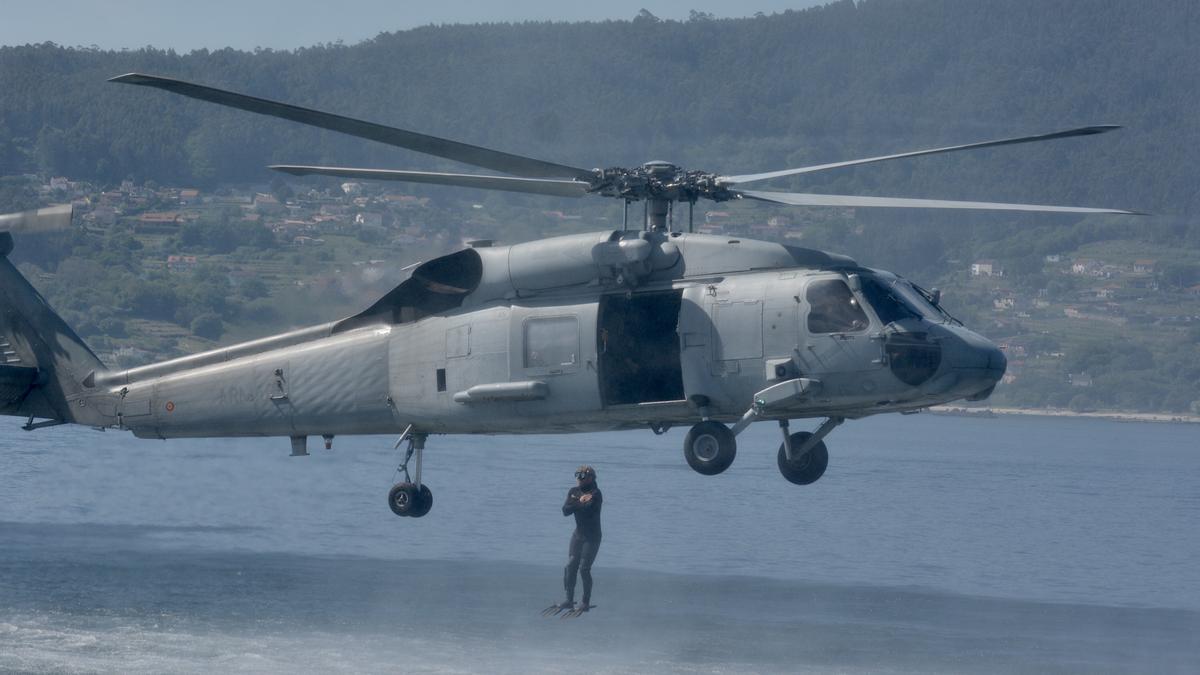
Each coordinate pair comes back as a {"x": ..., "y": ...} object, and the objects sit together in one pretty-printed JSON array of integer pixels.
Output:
[
  {"x": 558, "y": 188},
  {"x": 804, "y": 199},
  {"x": 37, "y": 220},
  {"x": 411, "y": 140},
  {"x": 1082, "y": 131}
]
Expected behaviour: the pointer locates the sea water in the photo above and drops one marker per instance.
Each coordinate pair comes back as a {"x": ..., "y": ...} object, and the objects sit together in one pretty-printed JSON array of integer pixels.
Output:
[{"x": 931, "y": 544}]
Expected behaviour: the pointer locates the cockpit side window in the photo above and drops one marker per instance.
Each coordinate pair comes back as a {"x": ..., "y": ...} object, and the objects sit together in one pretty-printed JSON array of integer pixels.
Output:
[{"x": 832, "y": 308}]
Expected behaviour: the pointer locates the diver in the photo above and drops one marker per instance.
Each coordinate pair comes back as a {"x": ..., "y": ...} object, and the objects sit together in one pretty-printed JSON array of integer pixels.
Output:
[{"x": 584, "y": 502}]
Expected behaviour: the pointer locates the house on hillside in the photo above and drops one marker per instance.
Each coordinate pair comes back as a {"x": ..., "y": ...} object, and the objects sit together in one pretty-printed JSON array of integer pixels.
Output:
[
  {"x": 181, "y": 263},
  {"x": 369, "y": 219},
  {"x": 1012, "y": 350},
  {"x": 986, "y": 268},
  {"x": 1086, "y": 267},
  {"x": 159, "y": 217},
  {"x": 101, "y": 215},
  {"x": 1143, "y": 266},
  {"x": 112, "y": 198},
  {"x": 265, "y": 203},
  {"x": 1079, "y": 379},
  {"x": 234, "y": 200}
]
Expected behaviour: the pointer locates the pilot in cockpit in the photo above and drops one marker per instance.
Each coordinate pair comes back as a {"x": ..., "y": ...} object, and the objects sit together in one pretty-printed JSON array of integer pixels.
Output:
[{"x": 834, "y": 309}]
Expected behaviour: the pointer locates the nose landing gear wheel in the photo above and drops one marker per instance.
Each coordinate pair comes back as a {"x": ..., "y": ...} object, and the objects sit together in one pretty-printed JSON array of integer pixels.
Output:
[
  {"x": 807, "y": 468},
  {"x": 407, "y": 500},
  {"x": 709, "y": 448}
]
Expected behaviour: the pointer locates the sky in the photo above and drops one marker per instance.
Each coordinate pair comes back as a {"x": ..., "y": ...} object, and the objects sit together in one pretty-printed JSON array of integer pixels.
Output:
[{"x": 185, "y": 25}]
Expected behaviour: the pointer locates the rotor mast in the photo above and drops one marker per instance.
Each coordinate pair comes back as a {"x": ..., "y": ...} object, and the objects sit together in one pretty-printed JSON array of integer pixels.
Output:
[{"x": 661, "y": 177}]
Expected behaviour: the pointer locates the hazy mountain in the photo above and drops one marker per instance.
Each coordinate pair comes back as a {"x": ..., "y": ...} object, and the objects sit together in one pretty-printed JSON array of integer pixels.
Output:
[{"x": 839, "y": 81}]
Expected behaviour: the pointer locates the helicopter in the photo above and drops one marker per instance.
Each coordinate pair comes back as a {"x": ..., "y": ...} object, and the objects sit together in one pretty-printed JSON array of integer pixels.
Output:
[{"x": 643, "y": 327}]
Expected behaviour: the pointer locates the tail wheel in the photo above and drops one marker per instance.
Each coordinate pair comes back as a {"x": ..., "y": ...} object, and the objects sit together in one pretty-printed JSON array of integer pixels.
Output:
[
  {"x": 709, "y": 448},
  {"x": 807, "y": 468}
]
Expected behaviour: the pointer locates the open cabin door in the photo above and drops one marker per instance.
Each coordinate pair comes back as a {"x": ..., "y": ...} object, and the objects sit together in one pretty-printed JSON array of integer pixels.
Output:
[{"x": 638, "y": 345}]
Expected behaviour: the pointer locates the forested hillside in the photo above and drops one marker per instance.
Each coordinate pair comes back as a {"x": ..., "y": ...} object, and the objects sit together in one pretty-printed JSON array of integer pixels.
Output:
[
  {"x": 846, "y": 80},
  {"x": 736, "y": 95}
]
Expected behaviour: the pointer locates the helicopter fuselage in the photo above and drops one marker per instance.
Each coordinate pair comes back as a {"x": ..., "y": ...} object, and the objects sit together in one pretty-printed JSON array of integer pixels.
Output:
[{"x": 614, "y": 330}]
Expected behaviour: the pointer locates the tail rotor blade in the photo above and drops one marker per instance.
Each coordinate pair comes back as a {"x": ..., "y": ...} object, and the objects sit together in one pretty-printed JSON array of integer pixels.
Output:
[
  {"x": 543, "y": 186},
  {"x": 37, "y": 220},
  {"x": 1082, "y": 131},
  {"x": 474, "y": 155},
  {"x": 805, "y": 199}
]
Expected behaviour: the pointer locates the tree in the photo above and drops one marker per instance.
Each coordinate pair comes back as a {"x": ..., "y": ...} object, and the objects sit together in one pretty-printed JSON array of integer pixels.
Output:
[
  {"x": 152, "y": 299},
  {"x": 1179, "y": 275},
  {"x": 208, "y": 326},
  {"x": 252, "y": 288},
  {"x": 281, "y": 190}
]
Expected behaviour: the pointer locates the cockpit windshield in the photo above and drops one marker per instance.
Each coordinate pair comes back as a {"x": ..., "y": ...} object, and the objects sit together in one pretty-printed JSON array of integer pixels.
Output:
[{"x": 894, "y": 299}]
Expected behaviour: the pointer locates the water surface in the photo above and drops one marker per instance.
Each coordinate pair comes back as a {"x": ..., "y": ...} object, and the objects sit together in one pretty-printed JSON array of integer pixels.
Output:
[{"x": 932, "y": 544}]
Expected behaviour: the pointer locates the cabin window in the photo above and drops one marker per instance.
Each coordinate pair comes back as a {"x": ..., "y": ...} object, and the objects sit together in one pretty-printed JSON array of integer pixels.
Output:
[
  {"x": 551, "y": 343},
  {"x": 832, "y": 308},
  {"x": 441, "y": 379}
]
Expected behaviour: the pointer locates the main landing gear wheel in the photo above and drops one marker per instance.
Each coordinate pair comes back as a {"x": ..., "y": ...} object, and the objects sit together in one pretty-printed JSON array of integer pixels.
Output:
[
  {"x": 709, "y": 447},
  {"x": 411, "y": 498},
  {"x": 406, "y": 499},
  {"x": 807, "y": 468}
]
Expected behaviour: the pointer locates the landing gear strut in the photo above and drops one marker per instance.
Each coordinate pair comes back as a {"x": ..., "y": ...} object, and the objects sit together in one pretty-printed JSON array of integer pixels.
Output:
[
  {"x": 410, "y": 497},
  {"x": 710, "y": 447}
]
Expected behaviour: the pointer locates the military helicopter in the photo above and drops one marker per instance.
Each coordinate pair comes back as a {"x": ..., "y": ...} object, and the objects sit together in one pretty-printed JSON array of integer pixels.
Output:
[{"x": 646, "y": 327}]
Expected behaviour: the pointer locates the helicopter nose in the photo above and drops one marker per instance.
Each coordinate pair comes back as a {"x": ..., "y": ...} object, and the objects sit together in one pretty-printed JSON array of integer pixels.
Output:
[
  {"x": 997, "y": 363},
  {"x": 981, "y": 366}
]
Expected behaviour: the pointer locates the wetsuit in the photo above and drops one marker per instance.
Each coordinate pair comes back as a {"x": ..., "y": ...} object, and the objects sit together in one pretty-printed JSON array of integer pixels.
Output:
[{"x": 585, "y": 542}]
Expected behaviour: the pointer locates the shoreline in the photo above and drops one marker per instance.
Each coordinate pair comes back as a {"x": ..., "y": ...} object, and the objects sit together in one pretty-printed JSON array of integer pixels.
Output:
[{"x": 1116, "y": 415}]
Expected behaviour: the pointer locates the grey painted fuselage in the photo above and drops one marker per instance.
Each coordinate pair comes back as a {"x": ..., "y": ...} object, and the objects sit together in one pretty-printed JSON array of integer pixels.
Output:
[{"x": 611, "y": 330}]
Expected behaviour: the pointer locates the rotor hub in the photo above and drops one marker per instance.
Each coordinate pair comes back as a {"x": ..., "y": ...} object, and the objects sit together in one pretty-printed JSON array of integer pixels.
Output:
[{"x": 659, "y": 181}]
